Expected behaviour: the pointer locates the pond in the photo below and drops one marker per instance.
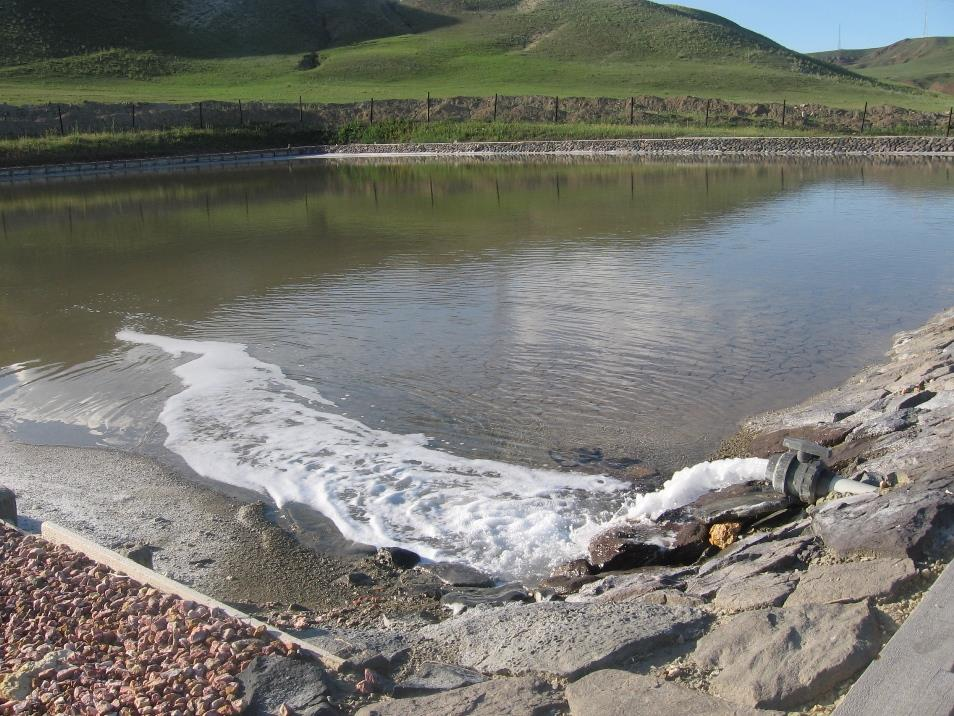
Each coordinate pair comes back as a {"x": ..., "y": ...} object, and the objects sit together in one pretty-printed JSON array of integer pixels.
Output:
[{"x": 466, "y": 357}]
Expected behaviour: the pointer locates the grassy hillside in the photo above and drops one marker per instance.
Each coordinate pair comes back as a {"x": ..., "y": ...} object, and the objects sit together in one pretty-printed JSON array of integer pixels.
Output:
[
  {"x": 925, "y": 62},
  {"x": 252, "y": 49}
]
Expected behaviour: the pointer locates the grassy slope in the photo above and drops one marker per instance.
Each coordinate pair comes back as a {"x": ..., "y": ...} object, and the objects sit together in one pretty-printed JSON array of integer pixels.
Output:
[
  {"x": 925, "y": 62},
  {"x": 507, "y": 46}
]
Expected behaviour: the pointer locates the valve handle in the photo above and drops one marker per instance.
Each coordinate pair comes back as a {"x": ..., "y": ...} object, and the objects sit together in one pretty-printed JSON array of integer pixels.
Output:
[{"x": 806, "y": 448}]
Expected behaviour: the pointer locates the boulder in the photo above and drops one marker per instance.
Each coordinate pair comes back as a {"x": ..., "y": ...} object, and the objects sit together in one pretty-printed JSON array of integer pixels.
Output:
[
  {"x": 575, "y": 568},
  {"x": 757, "y": 591},
  {"x": 271, "y": 681},
  {"x": 432, "y": 677},
  {"x": 500, "y": 697},
  {"x": 643, "y": 544},
  {"x": 454, "y": 574},
  {"x": 560, "y": 638},
  {"x": 619, "y": 693},
  {"x": 785, "y": 658},
  {"x": 752, "y": 556},
  {"x": 743, "y": 503},
  {"x": 852, "y": 581},
  {"x": 8, "y": 505},
  {"x": 916, "y": 520}
]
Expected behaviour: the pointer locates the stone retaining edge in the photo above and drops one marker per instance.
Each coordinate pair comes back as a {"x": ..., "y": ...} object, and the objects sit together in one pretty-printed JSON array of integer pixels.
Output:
[
  {"x": 56, "y": 534},
  {"x": 681, "y": 146},
  {"x": 912, "y": 675}
]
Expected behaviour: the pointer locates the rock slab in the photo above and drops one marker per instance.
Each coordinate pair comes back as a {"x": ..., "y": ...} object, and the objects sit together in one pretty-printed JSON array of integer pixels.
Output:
[
  {"x": 784, "y": 658},
  {"x": 432, "y": 676},
  {"x": 559, "y": 638},
  {"x": 758, "y": 591},
  {"x": 619, "y": 693},
  {"x": 916, "y": 520},
  {"x": 852, "y": 581},
  {"x": 500, "y": 697}
]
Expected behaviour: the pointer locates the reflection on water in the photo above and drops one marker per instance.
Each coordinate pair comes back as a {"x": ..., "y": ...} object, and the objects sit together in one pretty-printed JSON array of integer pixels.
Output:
[{"x": 504, "y": 310}]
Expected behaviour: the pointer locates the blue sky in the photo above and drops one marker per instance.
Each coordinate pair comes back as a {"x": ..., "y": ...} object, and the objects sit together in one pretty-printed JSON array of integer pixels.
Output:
[{"x": 812, "y": 25}]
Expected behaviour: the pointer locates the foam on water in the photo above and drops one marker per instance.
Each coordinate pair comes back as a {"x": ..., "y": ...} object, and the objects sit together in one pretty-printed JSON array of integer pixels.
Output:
[{"x": 241, "y": 421}]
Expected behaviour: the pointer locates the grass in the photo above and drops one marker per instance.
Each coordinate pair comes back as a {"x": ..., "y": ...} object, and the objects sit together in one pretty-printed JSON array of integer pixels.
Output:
[
  {"x": 924, "y": 62},
  {"x": 643, "y": 49},
  {"x": 129, "y": 145}
]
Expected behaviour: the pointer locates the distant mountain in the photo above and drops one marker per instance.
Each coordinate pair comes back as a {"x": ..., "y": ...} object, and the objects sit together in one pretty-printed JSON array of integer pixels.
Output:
[
  {"x": 38, "y": 29},
  {"x": 925, "y": 62}
]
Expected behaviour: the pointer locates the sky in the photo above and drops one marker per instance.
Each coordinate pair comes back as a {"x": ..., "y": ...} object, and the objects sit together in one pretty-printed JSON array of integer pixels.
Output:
[{"x": 812, "y": 25}]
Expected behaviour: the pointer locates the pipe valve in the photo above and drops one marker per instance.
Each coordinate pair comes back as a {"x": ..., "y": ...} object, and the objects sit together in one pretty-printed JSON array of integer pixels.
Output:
[{"x": 802, "y": 474}]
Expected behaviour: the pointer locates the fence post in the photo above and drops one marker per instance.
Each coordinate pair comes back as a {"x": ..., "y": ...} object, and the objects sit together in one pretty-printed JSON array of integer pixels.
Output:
[
  {"x": 301, "y": 110},
  {"x": 708, "y": 104},
  {"x": 428, "y": 107},
  {"x": 201, "y": 117},
  {"x": 372, "y": 111},
  {"x": 133, "y": 106},
  {"x": 241, "y": 115},
  {"x": 950, "y": 116},
  {"x": 556, "y": 110},
  {"x": 59, "y": 112},
  {"x": 632, "y": 110},
  {"x": 864, "y": 116},
  {"x": 784, "y": 110},
  {"x": 495, "y": 107}
]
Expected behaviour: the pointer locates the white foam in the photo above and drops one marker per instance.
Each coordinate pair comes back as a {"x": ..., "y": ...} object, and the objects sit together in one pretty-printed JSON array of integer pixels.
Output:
[
  {"x": 241, "y": 421},
  {"x": 691, "y": 483}
]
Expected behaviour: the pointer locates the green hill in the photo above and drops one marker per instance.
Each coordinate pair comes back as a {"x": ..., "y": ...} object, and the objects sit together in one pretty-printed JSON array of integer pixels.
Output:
[
  {"x": 187, "y": 50},
  {"x": 925, "y": 62}
]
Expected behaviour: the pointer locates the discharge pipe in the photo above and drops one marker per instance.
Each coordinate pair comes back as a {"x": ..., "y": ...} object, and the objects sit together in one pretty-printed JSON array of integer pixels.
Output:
[{"x": 802, "y": 475}]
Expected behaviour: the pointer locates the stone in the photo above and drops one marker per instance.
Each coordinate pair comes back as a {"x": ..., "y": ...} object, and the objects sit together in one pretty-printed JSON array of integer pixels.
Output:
[
  {"x": 357, "y": 645},
  {"x": 915, "y": 520},
  {"x": 141, "y": 554},
  {"x": 499, "y": 697},
  {"x": 672, "y": 598},
  {"x": 8, "y": 505},
  {"x": 397, "y": 558},
  {"x": 852, "y": 581},
  {"x": 770, "y": 443},
  {"x": 563, "y": 586},
  {"x": 619, "y": 693},
  {"x": 454, "y": 574},
  {"x": 560, "y": 638},
  {"x": 724, "y": 534},
  {"x": 758, "y": 591},
  {"x": 469, "y": 597},
  {"x": 785, "y": 658},
  {"x": 643, "y": 544},
  {"x": 754, "y": 555},
  {"x": 621, "y": 587},
  {"x": 576, "y": 568},
  {"x": 417, "y": 582},
  {"x": 18, "y": 685},
  {"x": 271, "y": 681},
  {"x": 432, "y": 676}
]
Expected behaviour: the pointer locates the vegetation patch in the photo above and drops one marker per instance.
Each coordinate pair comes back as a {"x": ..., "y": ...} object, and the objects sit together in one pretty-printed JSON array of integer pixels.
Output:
[{"x": 114, "y": 63}]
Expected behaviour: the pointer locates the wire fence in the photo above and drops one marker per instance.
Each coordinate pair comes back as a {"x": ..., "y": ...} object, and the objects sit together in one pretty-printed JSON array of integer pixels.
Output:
[{"x": 41, "y": 120}]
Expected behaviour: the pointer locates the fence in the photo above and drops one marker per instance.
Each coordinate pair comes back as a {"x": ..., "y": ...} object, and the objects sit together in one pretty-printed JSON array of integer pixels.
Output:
[{"x": 39, "y": 120}]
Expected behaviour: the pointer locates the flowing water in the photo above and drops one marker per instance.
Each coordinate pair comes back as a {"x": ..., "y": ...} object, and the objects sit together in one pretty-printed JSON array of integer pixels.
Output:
[{"x": 467, "y": 358}]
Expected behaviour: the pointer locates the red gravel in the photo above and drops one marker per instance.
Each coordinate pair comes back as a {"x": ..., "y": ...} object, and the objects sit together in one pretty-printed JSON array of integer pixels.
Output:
[{"x": 112, "y": 645}]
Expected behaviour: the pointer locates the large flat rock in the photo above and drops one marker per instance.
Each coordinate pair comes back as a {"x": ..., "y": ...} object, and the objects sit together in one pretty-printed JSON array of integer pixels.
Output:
[
  {"x": 757, "y": 591},
  {"x": 852, "y": 581},
  {"x": 785, "y": 658},
  {"x": 561, "y": 639},
  {"x": 619, "y": 693},
  {"x": 916, "y": 520},
  {"x": 500, "y": 697},
  {"x": 756, "y": 555}
]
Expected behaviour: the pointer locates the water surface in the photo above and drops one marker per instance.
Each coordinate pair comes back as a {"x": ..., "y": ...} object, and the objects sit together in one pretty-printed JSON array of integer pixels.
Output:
[{"x": 534, "y": 314}]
